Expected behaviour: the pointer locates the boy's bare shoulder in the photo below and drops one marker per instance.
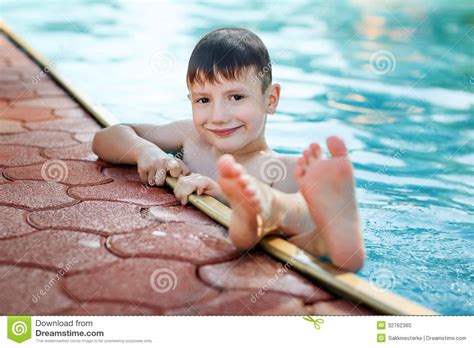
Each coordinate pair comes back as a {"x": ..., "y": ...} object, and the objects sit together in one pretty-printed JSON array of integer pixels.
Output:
[
  {"x": 185, "y": 127},
  {"x": 282, "y": 168},
  {"x": 190, "y": 134}
]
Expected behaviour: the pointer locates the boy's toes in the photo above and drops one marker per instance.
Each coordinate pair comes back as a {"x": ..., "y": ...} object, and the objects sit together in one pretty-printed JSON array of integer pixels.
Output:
[
  {"x": 306, "y": 156},
  {"x": 336, "y": 147},
  {"x": 244, "y": 180},
  {"x": 315, "y": 150},
  {"x": 300, "y": 167},
  {"x": 227, "y": 166}
]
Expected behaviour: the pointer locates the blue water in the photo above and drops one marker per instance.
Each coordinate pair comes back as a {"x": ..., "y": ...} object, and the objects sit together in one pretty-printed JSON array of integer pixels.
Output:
[{"x": 394, "y": 79}]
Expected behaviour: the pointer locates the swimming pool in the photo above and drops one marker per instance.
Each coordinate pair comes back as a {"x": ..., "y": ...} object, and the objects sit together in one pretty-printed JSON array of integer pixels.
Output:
[{"x": 394, "y": 80}]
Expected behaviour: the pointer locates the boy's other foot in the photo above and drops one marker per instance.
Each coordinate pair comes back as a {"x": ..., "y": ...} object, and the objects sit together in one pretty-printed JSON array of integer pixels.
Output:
[
  {"x": 328, "y": 188},
  {"x": 248, "y": 199}
]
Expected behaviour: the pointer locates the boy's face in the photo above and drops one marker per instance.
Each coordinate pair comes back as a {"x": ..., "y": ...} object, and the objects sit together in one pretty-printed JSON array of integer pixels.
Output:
[{"x": 231, "y": 114}]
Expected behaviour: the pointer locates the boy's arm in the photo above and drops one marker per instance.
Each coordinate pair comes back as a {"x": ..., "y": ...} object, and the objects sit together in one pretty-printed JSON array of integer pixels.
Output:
[
  {"x": 145, "y": 146},
  {"x": 123, "y": 142}
]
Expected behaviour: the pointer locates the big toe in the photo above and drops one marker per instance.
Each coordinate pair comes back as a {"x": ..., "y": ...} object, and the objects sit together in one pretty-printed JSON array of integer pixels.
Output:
[
  {"x": 336, "y": 146},
  {"x": 227, "y": 166}
]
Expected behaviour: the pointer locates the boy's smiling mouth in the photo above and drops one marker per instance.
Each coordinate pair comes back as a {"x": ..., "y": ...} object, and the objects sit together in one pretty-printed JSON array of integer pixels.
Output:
[{"x": 224, "y": 132}]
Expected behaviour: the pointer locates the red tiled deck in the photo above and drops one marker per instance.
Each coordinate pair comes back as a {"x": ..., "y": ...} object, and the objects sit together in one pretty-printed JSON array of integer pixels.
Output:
[{"x": 76, "y": 236}]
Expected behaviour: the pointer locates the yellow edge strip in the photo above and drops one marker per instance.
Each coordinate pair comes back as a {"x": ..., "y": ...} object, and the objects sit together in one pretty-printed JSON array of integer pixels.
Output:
[{"x": 343, "y": 283}]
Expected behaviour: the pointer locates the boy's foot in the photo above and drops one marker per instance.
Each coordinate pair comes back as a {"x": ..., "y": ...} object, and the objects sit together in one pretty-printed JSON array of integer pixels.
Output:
[
  {"x": 249, "y": 199},
  {"x": 328, "y": 188}
]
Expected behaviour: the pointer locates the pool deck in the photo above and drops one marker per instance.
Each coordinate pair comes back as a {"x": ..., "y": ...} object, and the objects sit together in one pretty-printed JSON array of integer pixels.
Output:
[{"x": 83, "y": 237}]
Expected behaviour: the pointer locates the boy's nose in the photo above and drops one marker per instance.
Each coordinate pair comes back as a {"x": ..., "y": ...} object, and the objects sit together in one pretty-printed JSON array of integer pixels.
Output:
[{"x": 220, "y": 114}]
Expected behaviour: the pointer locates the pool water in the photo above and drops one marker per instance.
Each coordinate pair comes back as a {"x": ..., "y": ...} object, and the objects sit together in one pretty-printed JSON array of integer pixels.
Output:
[{"x": 394, "y": 79}]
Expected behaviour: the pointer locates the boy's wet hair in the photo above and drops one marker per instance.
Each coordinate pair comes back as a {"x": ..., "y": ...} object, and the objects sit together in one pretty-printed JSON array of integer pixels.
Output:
[{"x": 229, "y": 52}]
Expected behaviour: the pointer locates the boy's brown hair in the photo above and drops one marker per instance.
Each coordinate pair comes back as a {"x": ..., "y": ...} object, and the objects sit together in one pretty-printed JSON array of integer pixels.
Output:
[{"x": 229, "y": 52}]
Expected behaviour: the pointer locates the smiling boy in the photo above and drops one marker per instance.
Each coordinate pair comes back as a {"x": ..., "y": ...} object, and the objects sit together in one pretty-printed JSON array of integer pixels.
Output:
[{"x": 230, "y": 87}]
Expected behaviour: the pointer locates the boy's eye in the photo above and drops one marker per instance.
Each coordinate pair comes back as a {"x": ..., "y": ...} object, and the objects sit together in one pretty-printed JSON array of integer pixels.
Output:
[
  {"x": 202, "y": 100},
  {"x": 237, "y": 97}
]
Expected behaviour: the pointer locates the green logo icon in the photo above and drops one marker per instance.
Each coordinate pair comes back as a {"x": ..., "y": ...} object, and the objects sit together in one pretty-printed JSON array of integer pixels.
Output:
[
  {"x": 381, "y": 325},
  {"x": 380, "y": 337},
  {"x": 19, "y": 328},
  {"x": 316, "y": 322}
]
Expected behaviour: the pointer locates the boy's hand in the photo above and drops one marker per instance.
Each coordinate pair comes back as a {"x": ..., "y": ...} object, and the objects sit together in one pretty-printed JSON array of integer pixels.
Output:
[
  {"x": 195, "y": 183},
  {"x": 153, "y": 167}
]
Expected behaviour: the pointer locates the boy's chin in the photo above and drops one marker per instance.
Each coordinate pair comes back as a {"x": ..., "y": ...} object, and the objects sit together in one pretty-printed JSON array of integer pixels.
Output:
[{"x": 227, "y": 146}]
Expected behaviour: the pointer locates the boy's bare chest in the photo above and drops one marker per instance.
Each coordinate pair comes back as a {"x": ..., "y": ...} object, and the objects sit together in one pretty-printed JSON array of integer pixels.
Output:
[{"x": 200, "y": 159}]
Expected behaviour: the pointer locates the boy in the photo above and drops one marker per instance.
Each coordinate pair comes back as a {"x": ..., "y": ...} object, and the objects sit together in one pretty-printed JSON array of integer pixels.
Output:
[{"x": 230, "y": 87}]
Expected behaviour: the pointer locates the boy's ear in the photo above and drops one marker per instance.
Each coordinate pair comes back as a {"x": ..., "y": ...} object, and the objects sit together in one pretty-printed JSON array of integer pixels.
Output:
[{"x": 273, "y": 98}]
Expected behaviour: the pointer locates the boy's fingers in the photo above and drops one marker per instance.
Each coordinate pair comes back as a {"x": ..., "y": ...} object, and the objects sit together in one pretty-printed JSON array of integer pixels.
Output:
[
  {"x": 182, "y": 190},
  {"x": 143, "y": 177},
  {"x": 180, "y": 195},
  {"x": 151, "y": 177},
  {"x": 178, "y": 188},
  {"x": 184, "y": 168},
  {"x": 173, "y": 167},
  {"x": 160, "y": 177}
]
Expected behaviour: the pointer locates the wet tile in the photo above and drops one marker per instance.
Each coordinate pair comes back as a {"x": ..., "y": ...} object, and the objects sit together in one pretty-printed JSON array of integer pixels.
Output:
[
  {"x": 339, "y": 307},
  {"x": 15, "y": 91},
  {"x": 261, "y": 273},
  {"x": 47, "y": 102},
  {"x": 68, "y": 125},
  {"x": 8, "y": 126},
  {"x": 100, "y": 217},
  {"x": 84, "y": 137},
  {"x": 179, "y": 213},
  {"x": 35, "y": 194},
  {"x": 125, "y": 191},
  {"x": 17, "y": 155},
  {"x": 157, "y": 283},
  {"x": 71, "y": 113},
  {"x": 122, "y": 173},
  {"x": 2, "y": 178},
  {"x": 7, "y": 76},
  {"x": 66, "y": 172},
  {"x": 13, "y": 223},
  {"x": 3, "y": 106},
  {"x": 244, "y": 303},
  {"x": 75, "y": 152},
  {"x": 30, "y": 291},
  {"x": 15, "y": 58},
  {"x": 47, "y": 88},
  {"x": 198, "y": 244},
  {"x": 26, "y": 114},
  {"x": 48, "y": 139},
  {"x": 68, "y": 251}
]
